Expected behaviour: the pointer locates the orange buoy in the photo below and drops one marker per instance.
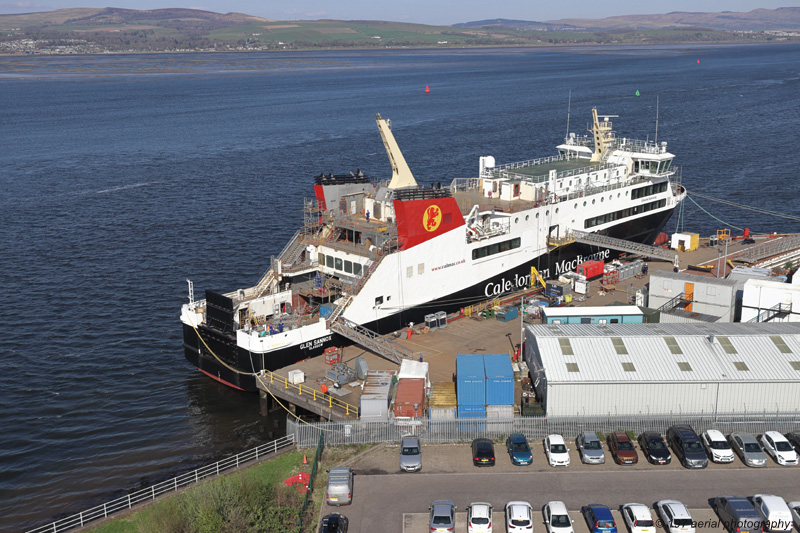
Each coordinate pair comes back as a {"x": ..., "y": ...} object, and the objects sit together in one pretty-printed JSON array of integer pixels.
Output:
[
  {"x": 698, "y": 61},
  {"x": 427, "y": 89}
]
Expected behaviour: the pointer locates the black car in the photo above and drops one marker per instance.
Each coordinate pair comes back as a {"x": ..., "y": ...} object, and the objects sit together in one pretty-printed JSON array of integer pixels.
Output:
[
  {"x": 482, "y": 452},
  {"x": 333, "y": 523},
  {"x": 794, "y": 440},
  {"x": 654, "y": 448},
  {"x": 687, "y": 446}
]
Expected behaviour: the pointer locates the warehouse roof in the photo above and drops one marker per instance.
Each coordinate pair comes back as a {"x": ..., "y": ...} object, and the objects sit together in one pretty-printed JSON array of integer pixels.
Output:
[
  {"x": 593, "y": 311},
  {"x": 667, "y": 352},
  {"x": 692, "y": 278}
]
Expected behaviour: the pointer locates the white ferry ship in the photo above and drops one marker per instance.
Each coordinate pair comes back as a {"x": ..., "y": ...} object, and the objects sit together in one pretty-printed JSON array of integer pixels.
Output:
[{"x": 383, "y": 255}]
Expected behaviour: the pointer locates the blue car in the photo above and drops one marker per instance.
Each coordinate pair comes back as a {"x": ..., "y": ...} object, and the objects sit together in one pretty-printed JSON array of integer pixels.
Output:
[
  {"x": 599, "y": 519},
  {"x": 518, "y": 449}
]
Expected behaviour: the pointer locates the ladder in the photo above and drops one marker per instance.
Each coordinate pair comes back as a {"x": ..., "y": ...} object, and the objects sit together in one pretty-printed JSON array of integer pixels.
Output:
[
  {"x": 623, "y": 245},
  {"x": 768, "y": 314},
  {"x": 673, "y": 303},
  {"x": 370, "y": 340}
]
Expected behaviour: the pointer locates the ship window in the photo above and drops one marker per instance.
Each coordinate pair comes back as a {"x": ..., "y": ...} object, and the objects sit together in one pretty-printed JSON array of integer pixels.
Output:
[
  {"x": 379, "y": 300},
  {"x": 527, "y": 217},
  {"x": 516, "y": 220},
  {"x": 357, "y": 269},
  {"x": 556, "y": 210},
  {"x": 584, "y": 203},
  {"x": 329, "y": 261},
  {"x": 337, "y": 263},
  {"x": 575, "y": 206},
  {"x": 421, "y": 268},
  {"x": 409, "y": 271},
  {"x": 493, "y": 249},
  {"x": 348, "y": 267},
  {"x": 547, "y": 213},
  {"x": 537, "y": 215}
]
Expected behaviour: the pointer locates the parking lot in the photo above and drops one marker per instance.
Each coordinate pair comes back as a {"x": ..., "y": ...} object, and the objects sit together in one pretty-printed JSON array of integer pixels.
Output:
[{"x": 385, "y": 499}]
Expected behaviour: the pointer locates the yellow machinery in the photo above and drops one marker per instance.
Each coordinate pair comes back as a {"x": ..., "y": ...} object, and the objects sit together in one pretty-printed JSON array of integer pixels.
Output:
[
  {"x": 723, "y": 234},
  {"x": 536, "y": 276}
]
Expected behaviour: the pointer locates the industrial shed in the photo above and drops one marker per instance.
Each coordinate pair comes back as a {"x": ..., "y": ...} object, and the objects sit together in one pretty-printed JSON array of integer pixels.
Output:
[
  {"x": 649, "y": 369},
  {"x": 606, "y": 314},
  {"x": 697, "y": 294},
  {"x": 770, "y": 300}
]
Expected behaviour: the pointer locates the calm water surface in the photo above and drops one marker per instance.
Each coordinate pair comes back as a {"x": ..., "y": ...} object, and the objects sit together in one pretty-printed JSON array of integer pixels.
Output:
[{"x": 121, "y": 176}]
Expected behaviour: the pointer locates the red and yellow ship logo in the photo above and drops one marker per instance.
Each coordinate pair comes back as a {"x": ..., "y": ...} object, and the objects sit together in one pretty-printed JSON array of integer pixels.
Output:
[{"x": 432, "y": 218}]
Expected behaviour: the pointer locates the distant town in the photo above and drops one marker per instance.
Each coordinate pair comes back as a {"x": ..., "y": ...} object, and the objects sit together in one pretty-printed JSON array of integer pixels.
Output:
[{"x": 113, "y": 30}]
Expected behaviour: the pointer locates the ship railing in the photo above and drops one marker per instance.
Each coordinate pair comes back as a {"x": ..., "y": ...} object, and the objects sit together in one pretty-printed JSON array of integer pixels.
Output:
[
  {"x": 528, "y": 163},
  {"x": 267, "y": 379},
  {"x": 638, "y": 146},
  {"x": 153, "y": 492},
  {"x": 355, "y": 249},
  {"x": 560, "y": 175}
]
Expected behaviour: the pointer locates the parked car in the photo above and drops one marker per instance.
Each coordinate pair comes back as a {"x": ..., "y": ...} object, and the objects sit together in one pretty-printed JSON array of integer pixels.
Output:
[
  {"x": 779, "y": 447},
  {"x": 774, "y": 511},
  {"x": 518, "y": 449},
  {"x": 410, "y": 454},
  {"x": 340, "y": 486},
  {"x": 599, "y": 518},
  {"x": 482, "y": 452},
  {"x": 638, "y": 518},
  {"x": 556, "y": 518},
  {"x": 737, "y": 514},
  {"x": 621, "y": 448},
  {"x": 443, "y": 516},
  {"x": 556, "y": 450},
  {"x": 687, "y": 447},
  {"x": 654, "y": 448},
  {"x": 794, "y": 507},
  {"x": 794, "y": 439},
  {"x": 716, "y": 446},
  {"x": 590, "y": 449},
  {"x": 479, "y": 518},
  {"x": 519, "y": 517},
  {"x": 675, "y": 516},
  {"x": 748, "y": 449},
  {"x": 333, "y": 523}
]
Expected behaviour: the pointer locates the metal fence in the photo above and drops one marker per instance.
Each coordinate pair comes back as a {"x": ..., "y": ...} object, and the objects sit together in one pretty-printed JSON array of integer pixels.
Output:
[
  {"x": 313, "y": 475},
  {"x": 154, "y": 491},
  {"x": 467, "y": 429}
]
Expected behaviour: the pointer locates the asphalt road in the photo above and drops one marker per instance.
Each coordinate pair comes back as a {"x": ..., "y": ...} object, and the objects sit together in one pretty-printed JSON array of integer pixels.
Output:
[{"x": 387, "y": 502}]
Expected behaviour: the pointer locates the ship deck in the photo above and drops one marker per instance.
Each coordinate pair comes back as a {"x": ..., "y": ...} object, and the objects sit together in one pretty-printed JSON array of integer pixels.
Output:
[{"x": 542, "y": 170}]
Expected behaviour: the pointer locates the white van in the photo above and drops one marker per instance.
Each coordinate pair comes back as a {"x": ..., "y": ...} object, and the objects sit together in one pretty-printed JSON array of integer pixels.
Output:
[{"x": 774, "y": 511}]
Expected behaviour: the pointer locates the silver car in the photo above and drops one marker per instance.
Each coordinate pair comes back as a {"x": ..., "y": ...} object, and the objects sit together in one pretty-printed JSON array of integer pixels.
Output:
[
  {"x": 590, "y": 448},
  {"x": 748, "y": 449},
  {"x": 410, "y": 454}
]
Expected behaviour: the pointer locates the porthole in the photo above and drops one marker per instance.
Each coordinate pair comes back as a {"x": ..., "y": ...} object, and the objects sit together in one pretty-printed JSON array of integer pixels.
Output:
[
  {"x": 576, "y": 205},
  {"x": 547, "y": 213},
  {"x": 527, "y": 217},
  {"x": 602, "y": 200},
  {"x": 584, "y": 203},
  {"x": 593, "y": 201},
  {"x": 556, "y": 210},
  {"x": 537, "y": 215},
  {"x": 516, "y": 220}
]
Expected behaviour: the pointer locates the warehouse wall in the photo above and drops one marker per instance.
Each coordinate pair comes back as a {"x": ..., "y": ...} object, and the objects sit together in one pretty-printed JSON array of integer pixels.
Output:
[{"x": 602, "y": 399}]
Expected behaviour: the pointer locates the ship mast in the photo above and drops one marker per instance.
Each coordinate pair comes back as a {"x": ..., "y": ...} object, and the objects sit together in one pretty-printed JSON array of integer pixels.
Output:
[
  {"x": 401, "y": 175},
  {"x": 603, "y": 136}
]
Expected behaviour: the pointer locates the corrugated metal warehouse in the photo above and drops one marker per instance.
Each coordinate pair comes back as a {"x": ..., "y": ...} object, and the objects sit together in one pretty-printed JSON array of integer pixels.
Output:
[
  {"x": 616, "y": 369},
  {"x": 701, "y": 294}
]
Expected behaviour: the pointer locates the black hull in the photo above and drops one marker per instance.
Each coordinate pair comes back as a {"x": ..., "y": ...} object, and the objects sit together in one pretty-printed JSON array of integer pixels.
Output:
[{"x": 642, "y": 230}]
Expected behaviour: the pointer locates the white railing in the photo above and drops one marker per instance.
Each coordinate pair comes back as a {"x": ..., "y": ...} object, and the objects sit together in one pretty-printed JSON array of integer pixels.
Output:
[{"x": 171, "y": 485}]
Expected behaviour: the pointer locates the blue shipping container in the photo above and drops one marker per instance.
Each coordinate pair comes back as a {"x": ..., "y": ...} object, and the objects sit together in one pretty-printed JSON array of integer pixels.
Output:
[
  {"x": 471, "y": 380},
  {"x": 499, "y": 379},
  {"x": 468, "y": 412}
]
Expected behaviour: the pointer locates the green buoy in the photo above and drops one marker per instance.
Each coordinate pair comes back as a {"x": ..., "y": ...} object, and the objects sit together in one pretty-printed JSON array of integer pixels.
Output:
[{"x": 637, "y": 92}]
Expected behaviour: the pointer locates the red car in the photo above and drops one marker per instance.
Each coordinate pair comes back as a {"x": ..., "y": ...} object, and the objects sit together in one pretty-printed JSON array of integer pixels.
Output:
[{"x": 621, "y": 447}]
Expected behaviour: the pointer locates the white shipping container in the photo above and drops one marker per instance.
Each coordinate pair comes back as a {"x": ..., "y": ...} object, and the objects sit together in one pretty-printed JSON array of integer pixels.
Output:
[
  {"x": 297, "y": 376},
  {"x": 499, "y": 411},
  {"x": 441, "y": 413}
]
